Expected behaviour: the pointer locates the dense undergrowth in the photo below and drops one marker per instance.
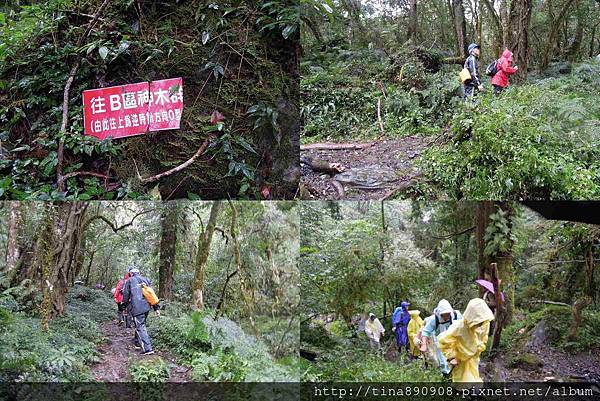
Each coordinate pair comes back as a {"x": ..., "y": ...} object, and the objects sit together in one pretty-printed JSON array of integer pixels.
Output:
[
  {"x": 215, "y": 350},
  {"x": 235, "y": 57},
  {"x": 344, "y": 356},
  {"x": 558, "y": 321},
  {"x": 65, "y": 352},
  {"x": 340, "y": 90},
  {"x": 539, "y": 140},
  {"x": 219, "y": 350}
]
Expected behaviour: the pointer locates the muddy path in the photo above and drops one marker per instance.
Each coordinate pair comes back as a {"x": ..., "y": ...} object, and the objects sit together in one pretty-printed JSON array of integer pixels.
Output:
[
  {"x": 376, "y": 171},
  {"x": 118, "y": 352}
]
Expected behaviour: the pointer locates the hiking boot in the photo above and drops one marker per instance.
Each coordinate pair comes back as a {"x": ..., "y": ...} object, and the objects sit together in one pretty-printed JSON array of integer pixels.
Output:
[
  {"x": 137, "y": 346},
  {"x": 148, "y": 352}
]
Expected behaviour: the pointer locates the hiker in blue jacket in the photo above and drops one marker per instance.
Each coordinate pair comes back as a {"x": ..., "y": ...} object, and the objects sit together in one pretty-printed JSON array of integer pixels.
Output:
[
  {"x": 443, "y": 317},
  {"x": 138, "y": 308},
  {"x": 400, "y": 320},
  {"x": 472, "y": 64}
]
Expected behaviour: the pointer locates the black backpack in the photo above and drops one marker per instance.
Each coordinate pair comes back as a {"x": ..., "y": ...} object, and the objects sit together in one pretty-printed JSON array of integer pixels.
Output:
[
  {"x": 437, "y": 321},
  {"x": 492, "y": 68}
]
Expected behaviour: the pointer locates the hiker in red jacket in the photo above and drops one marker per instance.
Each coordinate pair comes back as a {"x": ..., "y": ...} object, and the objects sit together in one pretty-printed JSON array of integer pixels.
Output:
[
  {"x": 118, "y": 295},
  {"x": 504, "y": 66}
]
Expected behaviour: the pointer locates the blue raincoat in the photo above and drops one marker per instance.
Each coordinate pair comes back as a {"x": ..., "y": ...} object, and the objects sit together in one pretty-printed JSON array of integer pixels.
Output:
[{"x": 400, "y": 320}]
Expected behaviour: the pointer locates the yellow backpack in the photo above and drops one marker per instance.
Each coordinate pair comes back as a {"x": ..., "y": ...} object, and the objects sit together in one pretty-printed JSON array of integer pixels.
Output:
[
  {"x": 149, "y": 294},
  {"x": 465, "y": 75}
]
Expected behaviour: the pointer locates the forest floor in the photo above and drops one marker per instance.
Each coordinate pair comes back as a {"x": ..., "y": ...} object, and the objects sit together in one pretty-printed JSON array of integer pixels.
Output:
[
  {"x": 554, "y": 365},
  {"x": 118, "y": 353},
  {"x": 378, "y": 171}
]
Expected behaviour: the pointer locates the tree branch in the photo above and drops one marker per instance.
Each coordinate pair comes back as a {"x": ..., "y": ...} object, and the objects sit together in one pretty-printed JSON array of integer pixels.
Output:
[
  {"x": 174, "y": 170},
  {"x": 112, "y": 225},
  {"x": 60, "y": 179},
  {"x": 448, "y": 236}
]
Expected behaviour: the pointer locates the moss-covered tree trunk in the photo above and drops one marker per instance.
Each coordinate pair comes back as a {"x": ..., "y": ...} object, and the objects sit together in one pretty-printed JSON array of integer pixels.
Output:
[
  {"x": 457, "y": 12},
  {"x": 518, "y": 34},
  {"x": 56, "y": 252},
  {"x": 506, "y": 278},
  {"x": 482, "y": 218},
  {"x": 12, "y": 242},
  {"x": 505, "y": 309},
  {"x": 204, "y": 242},
  {"x": 577, "y": 309},
  {"x": 168, "y": 246}
]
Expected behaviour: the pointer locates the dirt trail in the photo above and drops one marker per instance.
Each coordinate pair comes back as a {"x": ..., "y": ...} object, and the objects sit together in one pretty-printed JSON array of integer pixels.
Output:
[
  {"x": 118, "y": 352},
  {"x": 375, "y": 172}
]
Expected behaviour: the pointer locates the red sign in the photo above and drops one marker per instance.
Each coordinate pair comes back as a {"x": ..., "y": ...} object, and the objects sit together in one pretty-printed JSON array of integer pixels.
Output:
[{"x": 133, "y": 109}]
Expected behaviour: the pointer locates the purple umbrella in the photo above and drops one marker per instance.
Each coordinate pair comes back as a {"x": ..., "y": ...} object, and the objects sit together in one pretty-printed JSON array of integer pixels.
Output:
[{"x": 489, "y": 286}]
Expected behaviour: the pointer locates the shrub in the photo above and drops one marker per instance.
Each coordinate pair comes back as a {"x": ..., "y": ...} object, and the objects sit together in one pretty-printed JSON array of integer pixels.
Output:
[
  {"x": 149, "y": 370},
  {"x": 534, "y": 142}
]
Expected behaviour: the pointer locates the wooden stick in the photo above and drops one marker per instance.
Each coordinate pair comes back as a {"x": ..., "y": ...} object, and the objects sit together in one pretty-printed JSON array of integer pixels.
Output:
[
  {"x": 199, "y": 152},
  {"x": 549, "y": 303},
  {"x": 379, "y": 119}
]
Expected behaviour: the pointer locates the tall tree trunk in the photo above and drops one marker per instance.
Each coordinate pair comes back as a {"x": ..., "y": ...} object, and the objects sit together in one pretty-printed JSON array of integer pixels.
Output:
[
  {"x": 168, "y": 246},
  {"x": 593, "y": 40},
  {"x": 483, "y": 211},
  {"x": 578, "y": 307},
  {"x": 413, "y": 22},
  {"x": 204, "y": 242},
  {"x": 457, "y": 12},
  {"x": 505, "y": 21},
  {"x": 518, "y": 34},
  {"x": 555, "y": 25},
  {"x": 590, "y": 287},
  {"x": 56, "y": 253},
  {"x": 86, "y": 280},
  {"x": 13, "y": 251},
  {"x": 573, "y": 52},
  {"x": 354, "y": 11},
  {"x": 504, "y": 310},
  {"x": 497, "y": 24}
]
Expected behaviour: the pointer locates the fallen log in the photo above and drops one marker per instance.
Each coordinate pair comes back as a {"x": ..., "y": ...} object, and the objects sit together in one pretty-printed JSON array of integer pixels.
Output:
[
  {"x": 322, "y": 166},
  {"x": 336, "y": 146},
  {"x": 453, "y": 60}
]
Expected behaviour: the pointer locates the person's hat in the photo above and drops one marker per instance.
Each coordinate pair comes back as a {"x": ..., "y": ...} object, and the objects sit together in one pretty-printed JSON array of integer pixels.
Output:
[
  {"x": 371, "y": 315},
  {"x": 473, "y": 46},
  {"x": 133, "y": 269}
]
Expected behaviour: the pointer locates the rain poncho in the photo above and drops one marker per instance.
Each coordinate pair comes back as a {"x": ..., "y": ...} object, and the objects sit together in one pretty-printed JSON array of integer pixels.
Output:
[
  {"x": 400, "y": 322},
  {"x": 432, "y": 353},
  {"x": 465, "y": 341},
  {"x": 374, "y": 329},
  {"x": 414, "y": 326},
  {"x": 435, "y": 325}
]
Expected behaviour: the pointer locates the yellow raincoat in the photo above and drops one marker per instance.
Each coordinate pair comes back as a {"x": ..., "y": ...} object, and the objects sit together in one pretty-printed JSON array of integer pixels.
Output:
[
  {"x": 415, "y": 324},
  {"x": 464, "y": 341}
]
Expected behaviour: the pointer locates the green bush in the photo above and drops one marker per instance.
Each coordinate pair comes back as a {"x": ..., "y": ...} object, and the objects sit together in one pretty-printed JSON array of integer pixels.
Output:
[
  {"x": 149, "y": 370},
  {"x": 222, "y": 366},
  {"x": 537, "y": 141},
  {"x": 90, "y": 303},
  {"x": 29, "y": 354}
]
